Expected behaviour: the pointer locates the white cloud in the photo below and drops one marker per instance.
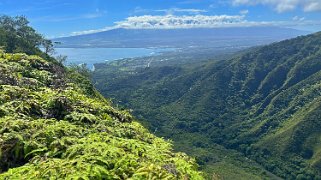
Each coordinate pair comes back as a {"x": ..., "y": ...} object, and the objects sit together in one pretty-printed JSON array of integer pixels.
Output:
[
  {"x": 169, "y": 11},
  {"x": 139, "y": 9},
  {"x": 91, "y": 31},
  {"x": 198, "y": 21},
  {"x": 179, "y": 10},
  {"x": 212, "y": 6},
  {"x": 297, "y": 18},
  {"x": 244, "y": 12},
  {"x": 171, "y": 21},
  {"x": 313, "y": 6},
  {"x": 284, "y": 5}
]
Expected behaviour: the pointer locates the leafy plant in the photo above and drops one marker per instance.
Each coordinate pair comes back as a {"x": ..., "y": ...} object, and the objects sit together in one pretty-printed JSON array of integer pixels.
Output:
[{"x": 53, "y": 126}]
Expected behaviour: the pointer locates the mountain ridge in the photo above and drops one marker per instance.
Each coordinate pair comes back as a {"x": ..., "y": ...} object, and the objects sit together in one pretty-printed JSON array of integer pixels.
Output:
[
  {"x": 267, "y": 95},
  {"x": 145, "y": 38}
]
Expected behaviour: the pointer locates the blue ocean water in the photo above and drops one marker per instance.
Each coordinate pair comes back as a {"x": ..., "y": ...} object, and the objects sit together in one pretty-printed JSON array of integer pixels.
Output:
[{"x": 90, "y": 56}]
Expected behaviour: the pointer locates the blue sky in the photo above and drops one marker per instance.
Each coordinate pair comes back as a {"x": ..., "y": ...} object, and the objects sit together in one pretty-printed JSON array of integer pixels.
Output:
[{"x": 55, "y": 18}]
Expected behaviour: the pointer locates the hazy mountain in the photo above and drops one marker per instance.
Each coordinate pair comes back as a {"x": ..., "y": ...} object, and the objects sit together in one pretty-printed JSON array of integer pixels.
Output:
[
  {"x": 264, "y": 103},
  {"x": 209, "y": 37}
]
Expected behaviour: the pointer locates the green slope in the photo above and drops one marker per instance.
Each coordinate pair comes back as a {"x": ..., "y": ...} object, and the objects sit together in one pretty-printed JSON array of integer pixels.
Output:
[
  {"x": 55, "y": 125},
  {"x": 264, "y": 103}
]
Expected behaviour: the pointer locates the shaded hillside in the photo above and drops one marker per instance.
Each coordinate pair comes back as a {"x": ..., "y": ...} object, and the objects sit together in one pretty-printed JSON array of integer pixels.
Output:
[{"x": 263, "y": 103}]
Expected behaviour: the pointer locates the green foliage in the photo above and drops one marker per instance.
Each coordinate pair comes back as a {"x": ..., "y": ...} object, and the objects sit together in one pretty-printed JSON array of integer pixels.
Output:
[
  {"x": 18, "y": 37},
  {"x": 54, "y": 125},
  {"x": 264, "y": 103}
]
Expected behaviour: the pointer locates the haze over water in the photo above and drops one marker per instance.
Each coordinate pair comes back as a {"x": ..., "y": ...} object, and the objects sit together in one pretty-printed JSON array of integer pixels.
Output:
[{"x": 91, "y": 56}]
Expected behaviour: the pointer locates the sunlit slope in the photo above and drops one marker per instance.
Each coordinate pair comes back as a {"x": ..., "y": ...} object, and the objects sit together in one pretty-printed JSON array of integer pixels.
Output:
[{"x": 53, "y": 124}]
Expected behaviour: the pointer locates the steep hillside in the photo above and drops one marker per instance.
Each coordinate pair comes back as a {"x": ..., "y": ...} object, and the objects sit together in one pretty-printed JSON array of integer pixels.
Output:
[
  {"x": 53, "y": 124},
  {"x": 264, "y": 103}
]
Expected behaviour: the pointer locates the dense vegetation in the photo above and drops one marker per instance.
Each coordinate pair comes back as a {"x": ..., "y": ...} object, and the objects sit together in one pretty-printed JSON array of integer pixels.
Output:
[
  {"x": 18, "y": 37},
  {"x": 55, "y": 125},
  {"x": 264, "y": 103}
]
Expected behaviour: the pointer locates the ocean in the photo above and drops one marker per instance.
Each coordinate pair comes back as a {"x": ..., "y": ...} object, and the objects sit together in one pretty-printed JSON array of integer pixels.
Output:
[{"x": 91, "y": 56}]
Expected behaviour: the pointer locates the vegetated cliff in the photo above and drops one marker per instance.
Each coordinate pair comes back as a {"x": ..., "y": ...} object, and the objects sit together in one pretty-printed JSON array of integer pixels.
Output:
[
  {"x": 265, "y": 103},
  {"x": 54, "y": 124}
]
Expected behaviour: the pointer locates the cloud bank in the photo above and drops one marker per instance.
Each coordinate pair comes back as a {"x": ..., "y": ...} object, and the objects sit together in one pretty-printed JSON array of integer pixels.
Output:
[
  {"x": 284, "y": 5},
  {"x": 172, "y": 21},
  {"x": 197, "y": 21}
]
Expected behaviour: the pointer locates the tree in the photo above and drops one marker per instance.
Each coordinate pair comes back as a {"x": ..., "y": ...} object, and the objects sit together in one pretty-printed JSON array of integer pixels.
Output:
[
  {"x": 49, "y": 48},
  {"x": 17, "y": 36},
  {"x": 61, "y": 59}
]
